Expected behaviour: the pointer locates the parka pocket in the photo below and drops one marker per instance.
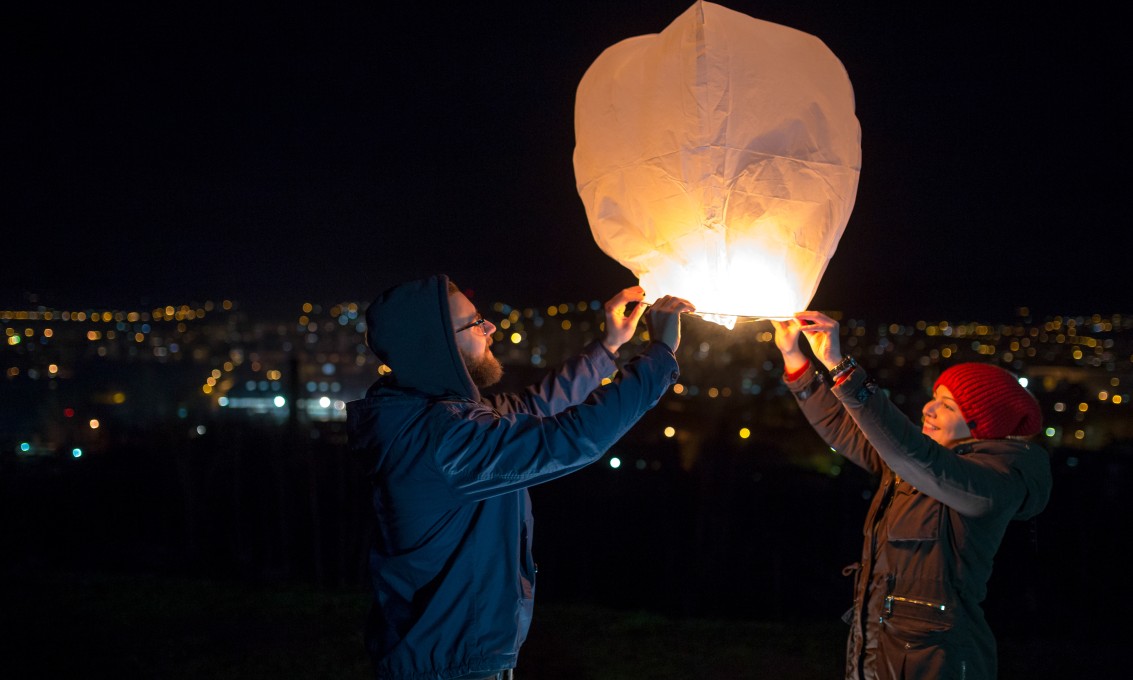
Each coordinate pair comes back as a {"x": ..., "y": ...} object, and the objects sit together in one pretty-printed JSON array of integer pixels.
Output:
[
  {"x": 916, "y": 639},
  {"x": 916, "y": 622},
  {"x": 529, "y": 568}
]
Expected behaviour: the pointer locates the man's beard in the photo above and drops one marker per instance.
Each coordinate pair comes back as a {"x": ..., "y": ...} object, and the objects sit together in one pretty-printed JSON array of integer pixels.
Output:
[{"x": 484, "y": 369}]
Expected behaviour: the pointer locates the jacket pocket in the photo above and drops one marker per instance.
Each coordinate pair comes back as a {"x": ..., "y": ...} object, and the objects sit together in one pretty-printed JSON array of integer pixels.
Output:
[
  {"x": 917, "y": 640},
  {"x": 528, "y": 569},
  {"x": 916, "y": 622}
]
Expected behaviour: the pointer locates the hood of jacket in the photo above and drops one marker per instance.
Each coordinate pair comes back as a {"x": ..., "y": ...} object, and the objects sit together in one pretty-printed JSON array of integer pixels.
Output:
[
  {"x": 409, "y": 328},
  {"x": 1033, "y": 464}
]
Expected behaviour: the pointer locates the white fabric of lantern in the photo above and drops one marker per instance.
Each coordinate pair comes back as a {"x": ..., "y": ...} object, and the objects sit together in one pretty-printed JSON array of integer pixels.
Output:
[{"x": 719, "y": 160}]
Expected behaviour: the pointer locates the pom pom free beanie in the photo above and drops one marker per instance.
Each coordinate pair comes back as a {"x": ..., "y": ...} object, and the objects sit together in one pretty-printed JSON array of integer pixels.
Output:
[{"x": 992, "y": 401}]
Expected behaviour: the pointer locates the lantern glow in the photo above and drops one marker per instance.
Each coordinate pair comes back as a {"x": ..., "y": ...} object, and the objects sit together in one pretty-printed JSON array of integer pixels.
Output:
[{"x": 719, "y": 160}]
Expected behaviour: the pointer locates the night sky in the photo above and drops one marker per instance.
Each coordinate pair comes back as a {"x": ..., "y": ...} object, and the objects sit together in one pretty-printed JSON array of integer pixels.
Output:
[{"x": 189, "y": 152}]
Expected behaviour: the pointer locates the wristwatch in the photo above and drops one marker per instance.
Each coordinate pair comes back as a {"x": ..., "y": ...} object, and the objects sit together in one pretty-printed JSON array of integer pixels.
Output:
[{"x": 843, "y": 367}]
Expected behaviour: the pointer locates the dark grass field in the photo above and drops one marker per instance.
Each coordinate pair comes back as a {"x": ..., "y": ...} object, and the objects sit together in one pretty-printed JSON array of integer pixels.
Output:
[{"x": 113, "y": 625}]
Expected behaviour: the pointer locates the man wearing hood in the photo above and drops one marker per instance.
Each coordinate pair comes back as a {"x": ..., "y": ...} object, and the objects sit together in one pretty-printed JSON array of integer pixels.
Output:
[{"x": 451, "y": 567}]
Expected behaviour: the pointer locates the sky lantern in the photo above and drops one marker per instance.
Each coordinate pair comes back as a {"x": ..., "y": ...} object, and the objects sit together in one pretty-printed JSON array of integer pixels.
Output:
[{"x": 718, "y": 160}]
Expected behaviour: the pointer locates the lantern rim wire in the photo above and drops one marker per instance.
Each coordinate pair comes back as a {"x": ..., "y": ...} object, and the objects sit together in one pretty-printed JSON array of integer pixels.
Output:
[{"x": 740, "y": 318}]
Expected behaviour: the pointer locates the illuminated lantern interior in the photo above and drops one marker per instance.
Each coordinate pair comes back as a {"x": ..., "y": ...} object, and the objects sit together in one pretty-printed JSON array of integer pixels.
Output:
[{"x": 718, "y": 161}]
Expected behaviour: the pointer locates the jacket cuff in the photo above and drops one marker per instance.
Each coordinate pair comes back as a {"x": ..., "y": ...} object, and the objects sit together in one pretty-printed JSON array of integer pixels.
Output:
[
  {"x": 856, "y": 388},
  {"x": 792, "y": 376},
  {"x": 664, "y": 353},
  {"x": 803, "y": 384}
]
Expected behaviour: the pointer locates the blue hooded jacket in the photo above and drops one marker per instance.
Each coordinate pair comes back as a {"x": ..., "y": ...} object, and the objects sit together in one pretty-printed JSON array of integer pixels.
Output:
[{"x": 452, "y": 570}]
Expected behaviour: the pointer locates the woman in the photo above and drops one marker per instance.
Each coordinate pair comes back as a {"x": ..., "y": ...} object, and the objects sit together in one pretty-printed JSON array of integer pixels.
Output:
[{"x": 948, "y": 489}]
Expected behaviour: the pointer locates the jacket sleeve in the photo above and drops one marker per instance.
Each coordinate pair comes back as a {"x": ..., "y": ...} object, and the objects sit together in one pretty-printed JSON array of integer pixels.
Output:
[
  {"x": 829, "y": 419},
  {"x": 566, "y": 386},
  {"x": 483, "y": 453},
  {"x": 973, "y": 483}
]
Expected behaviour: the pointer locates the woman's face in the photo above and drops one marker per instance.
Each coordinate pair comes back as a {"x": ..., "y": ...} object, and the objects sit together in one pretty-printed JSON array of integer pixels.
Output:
[{"x": 942, "y": 420}]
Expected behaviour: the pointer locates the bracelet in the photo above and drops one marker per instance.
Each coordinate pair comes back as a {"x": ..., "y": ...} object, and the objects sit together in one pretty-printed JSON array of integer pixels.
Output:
[{"x": 844, "y": 366}]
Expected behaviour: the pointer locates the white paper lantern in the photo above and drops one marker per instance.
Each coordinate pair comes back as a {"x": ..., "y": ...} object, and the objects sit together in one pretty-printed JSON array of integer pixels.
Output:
[{"x": 719, "y": 160}]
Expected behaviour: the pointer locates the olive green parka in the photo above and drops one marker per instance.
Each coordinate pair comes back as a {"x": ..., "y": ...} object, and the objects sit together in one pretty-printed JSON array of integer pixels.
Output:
[{"x": 930, "y": 535}]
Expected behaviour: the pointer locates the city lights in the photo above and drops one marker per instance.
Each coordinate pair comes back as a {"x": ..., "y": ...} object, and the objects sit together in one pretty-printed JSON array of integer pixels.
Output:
[{"x": 224, "y": 365}]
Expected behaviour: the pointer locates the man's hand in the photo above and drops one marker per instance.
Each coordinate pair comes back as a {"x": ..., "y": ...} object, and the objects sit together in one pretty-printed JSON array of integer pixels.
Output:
[
  {"x": 664, "y": 320},
  {"x": 822, "y": 333},
  {"x": 619, "y": 325}
]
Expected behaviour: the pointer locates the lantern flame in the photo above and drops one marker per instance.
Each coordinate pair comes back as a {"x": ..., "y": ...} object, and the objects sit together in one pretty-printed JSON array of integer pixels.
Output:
[{"x": 719, "y": 160}]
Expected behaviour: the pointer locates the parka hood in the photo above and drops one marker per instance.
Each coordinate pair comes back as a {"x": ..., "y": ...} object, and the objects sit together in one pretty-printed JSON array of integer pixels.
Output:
[
  {"x": 1032, "y": 463},
  {"x": 409, "y": 328},
  {"x": 1036, "y": 462}
]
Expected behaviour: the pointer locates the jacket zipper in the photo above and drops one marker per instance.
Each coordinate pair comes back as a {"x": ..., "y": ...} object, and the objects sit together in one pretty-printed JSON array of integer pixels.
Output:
[{"x": 890, "y": 599}]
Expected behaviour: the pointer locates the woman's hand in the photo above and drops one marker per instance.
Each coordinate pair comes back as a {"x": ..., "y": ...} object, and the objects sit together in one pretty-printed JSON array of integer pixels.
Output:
[
  {"x": 822, "y": 333},
  {"x": 787, "y": 340}
]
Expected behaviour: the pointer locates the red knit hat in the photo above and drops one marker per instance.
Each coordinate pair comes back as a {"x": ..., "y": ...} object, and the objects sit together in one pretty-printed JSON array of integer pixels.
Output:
[{"x": 992, "y": 401}]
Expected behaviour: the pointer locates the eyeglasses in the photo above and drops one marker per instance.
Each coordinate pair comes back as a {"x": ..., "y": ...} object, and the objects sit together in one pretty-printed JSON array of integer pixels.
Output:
[{"x": 477, "y": 323}]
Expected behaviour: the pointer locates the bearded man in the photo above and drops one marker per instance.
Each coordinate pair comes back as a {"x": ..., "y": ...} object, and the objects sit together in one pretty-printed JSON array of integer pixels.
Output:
[{"x": 451, "y": 567}]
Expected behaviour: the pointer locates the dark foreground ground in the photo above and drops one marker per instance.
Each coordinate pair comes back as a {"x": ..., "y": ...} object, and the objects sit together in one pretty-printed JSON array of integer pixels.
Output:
[{"x": 68, "y": 625}]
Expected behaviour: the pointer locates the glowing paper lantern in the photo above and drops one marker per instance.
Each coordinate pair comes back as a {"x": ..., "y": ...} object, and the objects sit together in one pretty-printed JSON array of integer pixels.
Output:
[{"x": 718, "y": 160}]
